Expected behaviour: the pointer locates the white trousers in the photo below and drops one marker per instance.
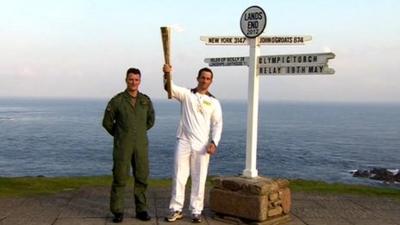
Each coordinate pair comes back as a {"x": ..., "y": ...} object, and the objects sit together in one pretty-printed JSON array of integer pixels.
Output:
[{"x": 189, "y": 161}]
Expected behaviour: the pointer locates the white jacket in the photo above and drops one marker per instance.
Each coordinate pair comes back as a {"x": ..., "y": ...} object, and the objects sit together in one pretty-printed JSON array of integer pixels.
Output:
[{"x": 201, "y": 117}]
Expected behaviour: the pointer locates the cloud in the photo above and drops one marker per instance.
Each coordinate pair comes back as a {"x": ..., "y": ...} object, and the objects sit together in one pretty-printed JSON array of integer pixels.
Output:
[
  {"x": 26, "y": 72},
  {"x": 177, "y": 27},
  {"x": 327, "y": 49}
]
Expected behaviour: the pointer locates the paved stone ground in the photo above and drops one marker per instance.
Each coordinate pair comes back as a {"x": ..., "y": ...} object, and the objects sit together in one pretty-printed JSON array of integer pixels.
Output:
[{"x": 89, "y": 206}]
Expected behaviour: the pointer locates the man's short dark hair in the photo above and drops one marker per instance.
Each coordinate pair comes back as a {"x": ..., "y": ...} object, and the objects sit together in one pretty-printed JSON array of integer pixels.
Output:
[
  {"x": 205, "y": 69},
  {"x": 134, "y": 71}
]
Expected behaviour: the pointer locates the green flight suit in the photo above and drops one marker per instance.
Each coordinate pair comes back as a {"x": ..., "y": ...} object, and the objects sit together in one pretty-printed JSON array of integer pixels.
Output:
[{"x": 128, "y": 124}]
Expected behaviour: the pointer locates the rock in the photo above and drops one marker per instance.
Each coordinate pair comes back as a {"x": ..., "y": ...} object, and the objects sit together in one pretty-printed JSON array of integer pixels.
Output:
[
  {"x": 253, "y": 207},
  {"x": 382, "y": 174},
  {"x": 397, "y": 177},
  {"x": 282, "y": 183},
  {"x": 274, "y": 212},
  {"x": 361, "y": 173},
  {"x": 273, "y": 196},
  {"x": 254, "y": 199},
  {"x": 286, "y": 197},
  {"x": 231, "y": 185}
]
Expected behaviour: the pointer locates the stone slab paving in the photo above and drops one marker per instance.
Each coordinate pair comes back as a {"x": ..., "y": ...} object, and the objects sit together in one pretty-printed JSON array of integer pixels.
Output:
[{"x": 89, "y": 206}]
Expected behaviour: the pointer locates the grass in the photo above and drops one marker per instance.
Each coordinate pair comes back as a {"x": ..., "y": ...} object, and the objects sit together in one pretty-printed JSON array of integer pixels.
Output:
[
  {"x": 33, "y": 186},
  {"x": 341, "y": 189},
  {"x": 28, "y": 186}
]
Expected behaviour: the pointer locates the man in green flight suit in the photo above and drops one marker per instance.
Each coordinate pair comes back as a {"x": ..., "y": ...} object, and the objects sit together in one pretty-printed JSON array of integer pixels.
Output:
[{"x": 127, "y": 118}]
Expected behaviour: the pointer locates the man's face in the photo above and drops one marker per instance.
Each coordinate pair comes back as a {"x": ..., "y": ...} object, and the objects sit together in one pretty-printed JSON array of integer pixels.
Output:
[
  {"x": 205, "y": 80},
  {"x": 132, "y": 82}
]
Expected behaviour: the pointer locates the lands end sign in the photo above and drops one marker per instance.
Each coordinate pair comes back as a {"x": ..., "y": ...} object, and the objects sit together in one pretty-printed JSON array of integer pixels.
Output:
[{"x": 253, "y": 21}]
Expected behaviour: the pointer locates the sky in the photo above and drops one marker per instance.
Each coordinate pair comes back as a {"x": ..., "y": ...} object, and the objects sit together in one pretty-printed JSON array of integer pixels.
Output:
[{"x": 82, "y": 48}]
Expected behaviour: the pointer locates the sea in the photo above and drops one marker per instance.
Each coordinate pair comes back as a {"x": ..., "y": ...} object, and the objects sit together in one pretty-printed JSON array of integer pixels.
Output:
[{"x": 296, "y": 140}]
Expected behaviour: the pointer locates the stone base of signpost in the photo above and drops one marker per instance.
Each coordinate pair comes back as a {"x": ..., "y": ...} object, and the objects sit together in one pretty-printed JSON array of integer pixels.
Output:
[{"x": 259, "y": 200}]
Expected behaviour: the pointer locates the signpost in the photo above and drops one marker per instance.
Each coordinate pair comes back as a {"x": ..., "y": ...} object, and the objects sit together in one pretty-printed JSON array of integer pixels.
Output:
[
  {"x": 252, "y": 23},
  {"x": 274, "y": 202},
  {"x": 264, "y": 40}
]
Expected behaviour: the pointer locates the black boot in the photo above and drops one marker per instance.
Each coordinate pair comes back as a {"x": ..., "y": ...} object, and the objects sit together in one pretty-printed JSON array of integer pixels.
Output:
[
  {"x": 118, "y": 217},
  {"x": 144, "y": 216}
]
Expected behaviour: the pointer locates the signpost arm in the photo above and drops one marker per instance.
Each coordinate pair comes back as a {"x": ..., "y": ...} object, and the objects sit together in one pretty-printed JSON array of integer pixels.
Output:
[{"x": 252, "y": 110}]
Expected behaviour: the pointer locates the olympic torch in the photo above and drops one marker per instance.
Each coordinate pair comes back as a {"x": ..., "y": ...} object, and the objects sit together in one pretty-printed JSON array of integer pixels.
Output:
[{"x": 166, "y": 41}]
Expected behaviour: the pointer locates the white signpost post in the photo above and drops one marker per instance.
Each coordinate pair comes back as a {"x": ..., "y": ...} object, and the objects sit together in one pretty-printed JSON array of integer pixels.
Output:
[{"x": 252, "y": 24}]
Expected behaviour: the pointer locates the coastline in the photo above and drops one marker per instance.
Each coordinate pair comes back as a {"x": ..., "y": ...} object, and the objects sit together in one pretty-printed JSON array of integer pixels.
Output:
[{"x": 38, "y": 186}]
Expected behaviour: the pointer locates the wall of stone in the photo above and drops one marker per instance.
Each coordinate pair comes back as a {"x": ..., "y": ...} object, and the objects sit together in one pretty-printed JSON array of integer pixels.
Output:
[{"x": 256, "y": 199}]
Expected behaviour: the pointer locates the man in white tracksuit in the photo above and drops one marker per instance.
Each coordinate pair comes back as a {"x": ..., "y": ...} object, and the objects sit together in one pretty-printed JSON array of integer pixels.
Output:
[{"x": 198, "y": 135}]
